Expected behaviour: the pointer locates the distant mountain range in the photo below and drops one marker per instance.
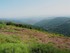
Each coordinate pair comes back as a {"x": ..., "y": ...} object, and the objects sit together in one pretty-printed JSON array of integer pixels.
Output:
[
  {"x": 29, "y": 20},
  {"x": 58, "y": 25}
]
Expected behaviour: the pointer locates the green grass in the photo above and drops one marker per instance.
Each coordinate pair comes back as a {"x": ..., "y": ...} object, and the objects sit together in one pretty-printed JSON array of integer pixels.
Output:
[
  {"x": 2, "y": 26},
  {"x": 14, "y": 44},
  {"x": 47, "y": 48},
  {"x": 9, "y": 39},
  {"x": 13, "y": 48},
  {"x": 33, "y": 48}
]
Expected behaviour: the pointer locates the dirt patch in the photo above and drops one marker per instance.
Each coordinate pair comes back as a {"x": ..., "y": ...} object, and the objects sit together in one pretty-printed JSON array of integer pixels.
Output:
[{"x": 27, "y": 34}]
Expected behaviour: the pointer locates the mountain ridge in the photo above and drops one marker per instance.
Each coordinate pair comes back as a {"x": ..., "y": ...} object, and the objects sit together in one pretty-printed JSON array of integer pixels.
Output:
[{"x": 50, "y": 25}]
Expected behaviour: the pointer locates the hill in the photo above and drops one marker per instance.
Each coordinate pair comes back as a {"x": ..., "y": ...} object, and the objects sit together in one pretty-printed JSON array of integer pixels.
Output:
[
  {"x": 52, "y": 24},
  {"x": 22, "y": 20},
  {"x": 62, "y": 29},
  {"x": 16, "y": 39}
]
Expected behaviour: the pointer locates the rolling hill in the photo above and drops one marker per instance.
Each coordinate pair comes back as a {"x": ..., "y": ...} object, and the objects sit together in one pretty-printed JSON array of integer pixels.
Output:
[
  {"x": 62, "y": 29},
  {"x": 16, "y": 39},
  {"x": 60, "y": 23},
  {"x": 22, "y": 20}
]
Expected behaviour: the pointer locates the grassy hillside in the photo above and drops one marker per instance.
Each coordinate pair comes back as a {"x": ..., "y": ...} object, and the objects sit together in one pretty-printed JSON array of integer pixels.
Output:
[{"x": 16, "y": 39}]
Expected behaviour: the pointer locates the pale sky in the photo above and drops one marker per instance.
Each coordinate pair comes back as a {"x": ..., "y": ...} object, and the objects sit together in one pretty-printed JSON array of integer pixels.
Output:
[{"x": 32, "y": 8}]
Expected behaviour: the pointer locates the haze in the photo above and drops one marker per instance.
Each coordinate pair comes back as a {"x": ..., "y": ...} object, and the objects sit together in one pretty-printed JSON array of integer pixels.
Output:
[{"x": 34, "y": 8}]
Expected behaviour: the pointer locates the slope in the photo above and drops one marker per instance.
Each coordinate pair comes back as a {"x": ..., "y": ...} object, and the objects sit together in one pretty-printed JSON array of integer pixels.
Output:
[
  {"x": 52, "y": 23},
  {"x": 24, "y": 40},
  {"x": 58, "y": 25},
  {"x": 62, "y": 29}
]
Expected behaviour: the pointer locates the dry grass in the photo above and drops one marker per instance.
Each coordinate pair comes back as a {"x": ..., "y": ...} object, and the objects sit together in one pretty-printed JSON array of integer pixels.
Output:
[{"x": 32, "y": 36}]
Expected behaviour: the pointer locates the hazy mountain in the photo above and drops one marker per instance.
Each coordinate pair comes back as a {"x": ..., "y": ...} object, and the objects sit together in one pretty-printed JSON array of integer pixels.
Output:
[
  {"x": 29, "y": 20},
  {"x": 50, "y": 23},
  {"x": 62, "y": 29},
  {"x": 58, "y": 25}
]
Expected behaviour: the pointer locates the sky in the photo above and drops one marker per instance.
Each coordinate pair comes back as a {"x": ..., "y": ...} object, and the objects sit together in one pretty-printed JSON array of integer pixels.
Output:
[{"x": 33, "y": 8}]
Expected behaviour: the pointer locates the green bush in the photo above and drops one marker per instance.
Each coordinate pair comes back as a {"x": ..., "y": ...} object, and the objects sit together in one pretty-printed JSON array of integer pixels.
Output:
[
  {"x": 2, "y": 25},
  {"x": 33, "y": 48},
  {"x": 9, "y": 39},
  {"x": 13, "y": 48},
  {"x": 42, "y": 48},
  {"x": 46, "y": 48}
]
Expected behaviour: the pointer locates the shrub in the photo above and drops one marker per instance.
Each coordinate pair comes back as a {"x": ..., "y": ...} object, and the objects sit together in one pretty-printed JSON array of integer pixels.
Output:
[
  {"x": 47, "y": 48},
  {"x": 9, "y": 39},
  {"x": 2, "y": 25},
  {"x": 33, "y": 48},
  {"x": 13, "y": 48}
]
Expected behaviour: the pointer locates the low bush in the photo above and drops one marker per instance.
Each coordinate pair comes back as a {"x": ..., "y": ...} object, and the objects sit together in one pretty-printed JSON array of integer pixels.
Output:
[
  {"x": 2, "y": 25},
  {"x": 13, "y": 48},
  {"x": 33, "y": 48}
]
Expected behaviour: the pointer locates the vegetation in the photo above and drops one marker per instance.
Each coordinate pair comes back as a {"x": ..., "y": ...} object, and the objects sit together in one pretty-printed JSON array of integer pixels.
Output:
[
  {"x": 62, "y": 29},
  {"x": 59, "y": 25},
  {"x": 25, "y": 26},
  {"x": 17, "y": 38},
  {"x": 33, "y": 48}
]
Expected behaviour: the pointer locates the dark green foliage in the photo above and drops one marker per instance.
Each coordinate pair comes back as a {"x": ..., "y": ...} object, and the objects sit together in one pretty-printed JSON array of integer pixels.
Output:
[
  {"x": 42, "y": 48},
  {"x": 62, "y": 29},
  {"x": 47, "y": 48},
  {"x": 52, "y": 23},
  {"x": 9, "y": 23},
  {"x": 2, "y": 25},
  {"x": 25, "y": 26},
  {"x": 59, "y": 25}
]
